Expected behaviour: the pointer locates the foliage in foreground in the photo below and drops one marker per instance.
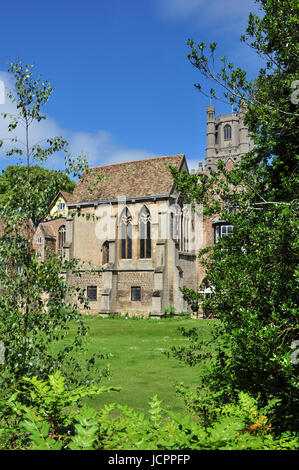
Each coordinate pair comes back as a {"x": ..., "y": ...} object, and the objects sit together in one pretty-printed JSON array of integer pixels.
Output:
[
  {"x": 36, "y": 303},
  {"x": 45, "y": 415},
  {"x": 254, "y": 272}
]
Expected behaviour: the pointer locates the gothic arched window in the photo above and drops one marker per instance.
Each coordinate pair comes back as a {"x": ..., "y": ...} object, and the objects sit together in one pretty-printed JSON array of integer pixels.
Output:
[
  {"x": 105, "y": 253},
  {"x": 227, "y": 132},
  {"x": 126, "y": 234},
  {"x": 61, "y": 239},
  {"x": 145, "y": 233}
]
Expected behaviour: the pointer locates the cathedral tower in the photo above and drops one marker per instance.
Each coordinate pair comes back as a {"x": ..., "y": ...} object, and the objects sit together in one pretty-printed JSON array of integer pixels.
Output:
[{"x": 227, "y": 138}]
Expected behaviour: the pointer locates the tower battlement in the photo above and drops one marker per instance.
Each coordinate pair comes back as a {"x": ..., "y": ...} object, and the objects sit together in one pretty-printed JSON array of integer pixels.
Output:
[{"x": 227, "y": 138}]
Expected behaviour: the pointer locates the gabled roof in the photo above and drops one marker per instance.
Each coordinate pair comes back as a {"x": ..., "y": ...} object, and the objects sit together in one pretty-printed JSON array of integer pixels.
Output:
[
  {"x": 50, "y": 227},
  {"x": 66, "y": 196},
  {"x": 141, "y": 178}
]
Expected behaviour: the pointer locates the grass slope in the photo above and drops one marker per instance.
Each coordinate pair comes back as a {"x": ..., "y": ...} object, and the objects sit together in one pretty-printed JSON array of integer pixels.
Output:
[{"x": 133, "y": 351}]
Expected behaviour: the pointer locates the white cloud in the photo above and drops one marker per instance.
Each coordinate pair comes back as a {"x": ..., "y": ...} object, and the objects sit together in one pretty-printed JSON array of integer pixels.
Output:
[
  {"x": 216, "y": 13},
  {"x": 179, "y": 9},
  {"x": 100, "y": 147}
]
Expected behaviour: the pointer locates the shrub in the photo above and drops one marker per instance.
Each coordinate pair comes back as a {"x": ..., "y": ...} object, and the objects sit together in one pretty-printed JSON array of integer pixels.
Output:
[{"x": 55, "y": 418}]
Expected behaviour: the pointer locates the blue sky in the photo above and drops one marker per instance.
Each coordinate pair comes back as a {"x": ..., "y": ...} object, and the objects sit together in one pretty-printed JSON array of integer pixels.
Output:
[{"x": 124, "y": 86}]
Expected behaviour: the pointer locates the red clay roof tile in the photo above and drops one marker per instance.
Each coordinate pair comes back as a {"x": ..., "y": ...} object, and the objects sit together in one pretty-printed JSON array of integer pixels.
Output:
[{"x": 139, "y": 178}]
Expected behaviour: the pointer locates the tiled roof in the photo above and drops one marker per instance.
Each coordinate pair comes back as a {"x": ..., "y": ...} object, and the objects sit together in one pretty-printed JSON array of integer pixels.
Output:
[
  {"x": 65, "y": 195},
  {"x": 141, "y": 178},
  {"x": 51, "y": 227}
]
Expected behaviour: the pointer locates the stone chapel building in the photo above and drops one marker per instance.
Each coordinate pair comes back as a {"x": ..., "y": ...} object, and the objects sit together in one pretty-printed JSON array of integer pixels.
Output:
[{"x": 136, "y": 241}]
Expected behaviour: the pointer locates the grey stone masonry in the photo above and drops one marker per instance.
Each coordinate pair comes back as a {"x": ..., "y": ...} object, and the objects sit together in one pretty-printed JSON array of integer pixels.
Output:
[{"x": 227, "y": 138}]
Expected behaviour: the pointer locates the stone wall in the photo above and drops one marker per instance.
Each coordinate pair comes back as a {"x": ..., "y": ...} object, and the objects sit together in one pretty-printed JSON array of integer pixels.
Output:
[
  {"x": 158, "y": 277},
  {"x": 125, "y": 281},
  {"x": 88, "y": 279}
]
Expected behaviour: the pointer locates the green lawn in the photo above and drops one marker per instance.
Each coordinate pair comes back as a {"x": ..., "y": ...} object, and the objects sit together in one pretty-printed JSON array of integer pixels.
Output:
[{"x": 134, "y": 353}]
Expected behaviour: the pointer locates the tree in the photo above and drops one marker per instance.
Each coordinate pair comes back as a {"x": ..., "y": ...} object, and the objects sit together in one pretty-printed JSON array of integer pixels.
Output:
[
  {"x": 254, "y": 272},
  {"x": 48, "y": 183},
  {"x": 36, "y": 304}
]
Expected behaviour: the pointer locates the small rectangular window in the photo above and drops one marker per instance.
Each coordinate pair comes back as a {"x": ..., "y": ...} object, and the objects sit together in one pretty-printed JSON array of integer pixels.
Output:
[
  {"x": 136, "y": 293},
  {"x": 39, "y": 240},
  {"x": 226, "y": 230},
  {"x": 92, "y": 293},
  {"x": 61, "y": 206},
  {"x": 221, "y": 231}
]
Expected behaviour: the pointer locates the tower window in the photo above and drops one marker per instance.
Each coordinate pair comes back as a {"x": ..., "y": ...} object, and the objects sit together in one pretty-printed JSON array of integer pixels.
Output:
[{"x": 227, "y": 132}]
